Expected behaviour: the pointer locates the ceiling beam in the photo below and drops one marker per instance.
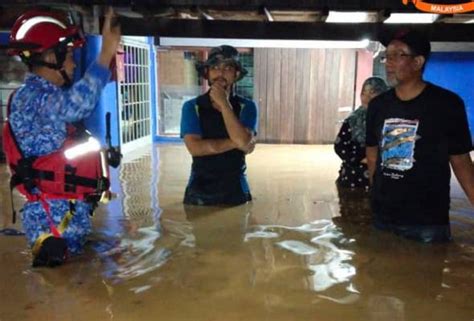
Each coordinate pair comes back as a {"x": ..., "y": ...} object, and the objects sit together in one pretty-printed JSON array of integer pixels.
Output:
[
  {"x": 250, "y": 5},
  {"x": 165, "y": 18},
  {"x": 268, "y": 15},
  {"x": 287, "y": 30}
]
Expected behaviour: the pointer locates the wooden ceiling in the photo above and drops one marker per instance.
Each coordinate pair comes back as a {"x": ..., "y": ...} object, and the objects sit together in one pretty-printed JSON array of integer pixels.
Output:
[{"x": 257, "y": 19}]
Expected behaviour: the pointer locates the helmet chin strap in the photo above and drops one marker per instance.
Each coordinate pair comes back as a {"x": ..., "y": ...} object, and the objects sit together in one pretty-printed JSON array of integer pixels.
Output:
[
  {"x": 60, "y": 69},
  {"x": 60, "y": 52},
  {"x": 67, "y": 80},
  {"x": 58, "y": 66}
]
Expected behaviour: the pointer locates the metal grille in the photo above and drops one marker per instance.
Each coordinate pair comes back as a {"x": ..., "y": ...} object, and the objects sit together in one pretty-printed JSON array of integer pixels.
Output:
[
  {"x": 134, "y": 95},
  {"x": 12, "y": 73},
  {"x": 245, "y": 86},
  {"x": 5, "y": 91}
]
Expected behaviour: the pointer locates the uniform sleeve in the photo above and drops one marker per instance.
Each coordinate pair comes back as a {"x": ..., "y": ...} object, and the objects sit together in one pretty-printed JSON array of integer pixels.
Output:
[
  {"x": 190, "y": 120},
  {"x": 78, "y": 102},
  {"x": 459, "y": 136},
  {"x": 370, "y": 135},
  {"x": 40, "y": 110},
  {"x": 249, "y": 116},
  {"x": 348, "y": 150}
]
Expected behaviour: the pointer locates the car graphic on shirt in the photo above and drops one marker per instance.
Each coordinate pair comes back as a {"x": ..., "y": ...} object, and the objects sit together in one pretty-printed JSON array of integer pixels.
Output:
[{"x": 398, "y": 143}]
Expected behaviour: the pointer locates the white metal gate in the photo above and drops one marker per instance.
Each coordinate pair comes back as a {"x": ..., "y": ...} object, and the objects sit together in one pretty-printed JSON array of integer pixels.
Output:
[
  {"x": 134, "y": 95},
  {"x": 5, "y": 91}
]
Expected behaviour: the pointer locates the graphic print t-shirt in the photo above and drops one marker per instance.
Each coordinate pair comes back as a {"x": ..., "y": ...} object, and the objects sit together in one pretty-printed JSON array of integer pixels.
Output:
[
  {"x": 415, "y": 139},
  {"x": 398, "y": 143}
]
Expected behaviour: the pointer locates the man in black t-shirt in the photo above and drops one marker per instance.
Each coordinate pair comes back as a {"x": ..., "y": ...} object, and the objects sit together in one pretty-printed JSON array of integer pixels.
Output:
[{"x": 414, "y": 132}]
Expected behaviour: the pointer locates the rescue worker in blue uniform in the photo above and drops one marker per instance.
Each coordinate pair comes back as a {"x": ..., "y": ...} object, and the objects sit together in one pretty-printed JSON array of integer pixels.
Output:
[
  {"x": 39, "y": 117},
  {"x": 219, "y": 129}
]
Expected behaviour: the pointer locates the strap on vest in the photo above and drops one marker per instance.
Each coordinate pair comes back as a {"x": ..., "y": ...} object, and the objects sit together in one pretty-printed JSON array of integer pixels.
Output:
[
  {"x": 25, "y": 174},
  {"x": 73, "y": 180}
]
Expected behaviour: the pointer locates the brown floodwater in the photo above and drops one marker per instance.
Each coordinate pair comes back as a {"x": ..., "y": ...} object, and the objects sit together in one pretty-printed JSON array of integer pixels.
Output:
[{"x": 297, "y": 252}]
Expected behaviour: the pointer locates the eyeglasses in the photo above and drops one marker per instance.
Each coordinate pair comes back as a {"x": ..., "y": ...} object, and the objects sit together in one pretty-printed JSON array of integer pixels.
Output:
[{"x": 394, "y": 56}]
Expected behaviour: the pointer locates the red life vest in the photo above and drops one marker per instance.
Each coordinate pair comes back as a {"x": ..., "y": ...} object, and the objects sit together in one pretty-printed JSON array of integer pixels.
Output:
[{"x": 83, "y": 177}]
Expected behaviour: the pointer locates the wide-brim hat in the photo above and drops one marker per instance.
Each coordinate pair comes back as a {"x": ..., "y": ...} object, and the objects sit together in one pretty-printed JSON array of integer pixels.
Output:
[{"x": 222, "y": 54}]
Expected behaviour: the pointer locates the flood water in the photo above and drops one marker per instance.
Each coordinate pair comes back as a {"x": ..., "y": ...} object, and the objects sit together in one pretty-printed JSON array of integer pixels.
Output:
[{"x": 288, "y": 255}]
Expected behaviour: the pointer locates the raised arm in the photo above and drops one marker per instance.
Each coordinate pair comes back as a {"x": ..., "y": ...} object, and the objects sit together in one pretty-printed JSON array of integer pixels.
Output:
[
  {"x": 111, "y": 35},
  {"x": 78, "y": 102}
]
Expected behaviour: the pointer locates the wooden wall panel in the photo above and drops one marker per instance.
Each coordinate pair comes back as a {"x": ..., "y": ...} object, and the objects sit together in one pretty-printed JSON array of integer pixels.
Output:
[
  {"x": 283, "y": 97},
  {"x": 299, "y": 92},
  {"x": 271, "y": 104},
  {"x": 332, "y": 103},
  {"x": 276, "y": 82},
  {"x": 260, "y": 83},
  {"x": 289, "y": 119},
  {"x": 303, "y": 65}
]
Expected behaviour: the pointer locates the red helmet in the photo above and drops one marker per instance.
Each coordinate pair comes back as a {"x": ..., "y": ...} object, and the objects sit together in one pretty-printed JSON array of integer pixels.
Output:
[{"x": 36, "y": 31}]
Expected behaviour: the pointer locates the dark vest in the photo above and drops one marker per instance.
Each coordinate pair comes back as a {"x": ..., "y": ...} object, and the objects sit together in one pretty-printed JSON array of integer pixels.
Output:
[
  {"x": 216, "y": 179},
  {"x": 212, "y": 127}
]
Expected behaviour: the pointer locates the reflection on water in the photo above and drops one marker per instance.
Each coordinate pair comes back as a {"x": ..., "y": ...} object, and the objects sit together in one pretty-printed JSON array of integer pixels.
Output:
[
  {"x": 132, "y": 257},
  {"x": 328, "y": 263},
  {"x": 297, "y": 247},
  {"x": 300, "y": 251},
  {"x": 129, "y": 239}
]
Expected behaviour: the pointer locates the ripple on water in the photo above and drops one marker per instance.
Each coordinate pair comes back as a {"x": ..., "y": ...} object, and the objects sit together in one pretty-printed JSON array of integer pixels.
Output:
[
  {"x": 131, "y": 257},
  {"x": 260, "y": 234},
  {"x": 319, "y": 242},
  {"x": 297, "y": 247}
]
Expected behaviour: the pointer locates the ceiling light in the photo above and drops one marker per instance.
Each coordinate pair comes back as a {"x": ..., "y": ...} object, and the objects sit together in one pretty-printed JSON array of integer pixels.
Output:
[
  {"x": 411, "y": 18},
  {"x": 260, "y": 43},
  {"x": 347, "y": 17}
]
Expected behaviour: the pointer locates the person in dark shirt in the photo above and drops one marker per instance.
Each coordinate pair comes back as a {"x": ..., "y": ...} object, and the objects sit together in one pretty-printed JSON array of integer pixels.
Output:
[
  {"x": 219, "y": 129},
  {"x": 415, "y": 131},
  {"x": 350, "y": 142}
]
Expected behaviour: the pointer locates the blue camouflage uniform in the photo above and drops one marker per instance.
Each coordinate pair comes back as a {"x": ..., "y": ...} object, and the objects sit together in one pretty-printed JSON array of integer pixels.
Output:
[{"x": 39, "y": 113}]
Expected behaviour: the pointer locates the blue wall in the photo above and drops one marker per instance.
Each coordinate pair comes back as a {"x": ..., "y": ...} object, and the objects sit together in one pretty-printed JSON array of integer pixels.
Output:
[
  {"x": 454, "y": 71},
  {"x": 4, "y": 38},
  {"x": 108, "y": 100},
  {"x": 154, "y": 88}
]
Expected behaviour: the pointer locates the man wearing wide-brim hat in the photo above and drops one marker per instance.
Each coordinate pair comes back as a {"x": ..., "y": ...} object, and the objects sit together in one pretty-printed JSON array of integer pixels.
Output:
[{"x": 219, "y": 129}]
